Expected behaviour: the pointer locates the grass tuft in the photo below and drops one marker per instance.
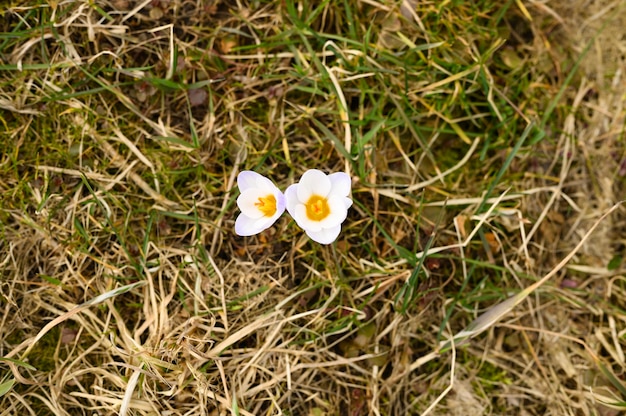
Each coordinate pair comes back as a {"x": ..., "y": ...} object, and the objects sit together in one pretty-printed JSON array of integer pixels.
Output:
[{"x": 478, "y": 272}]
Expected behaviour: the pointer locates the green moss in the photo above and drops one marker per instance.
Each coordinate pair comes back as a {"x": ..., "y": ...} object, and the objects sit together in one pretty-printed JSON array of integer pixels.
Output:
[{"x": 42, "y": 355}]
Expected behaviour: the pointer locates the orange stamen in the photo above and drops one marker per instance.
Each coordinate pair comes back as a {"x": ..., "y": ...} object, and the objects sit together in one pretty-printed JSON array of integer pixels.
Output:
[
  {"x": 317, "y": 208},
  {"x": 267, "y": 205}
]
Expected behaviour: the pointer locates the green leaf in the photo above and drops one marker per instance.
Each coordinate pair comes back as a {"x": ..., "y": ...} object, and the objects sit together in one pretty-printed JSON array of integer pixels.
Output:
[
  {"x": 615, "y": 262},
  {"x": 613, "y": 379},
  {"x": 235, "y": 406},
  {"x": 19, "y": 363},
  {"x": 6, "y": 387}
]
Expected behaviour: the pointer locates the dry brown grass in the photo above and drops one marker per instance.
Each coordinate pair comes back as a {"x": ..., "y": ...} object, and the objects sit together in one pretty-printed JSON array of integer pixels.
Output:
[{"x": 124, "y": 290}]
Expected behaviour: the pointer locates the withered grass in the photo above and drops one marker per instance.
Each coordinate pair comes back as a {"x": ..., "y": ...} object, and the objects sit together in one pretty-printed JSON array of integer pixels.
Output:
[{"x": 485, "y": 141}]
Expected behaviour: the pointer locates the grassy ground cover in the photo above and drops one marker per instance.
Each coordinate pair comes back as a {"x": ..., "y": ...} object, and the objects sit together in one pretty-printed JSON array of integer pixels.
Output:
[{"x": 479, "y": 270}]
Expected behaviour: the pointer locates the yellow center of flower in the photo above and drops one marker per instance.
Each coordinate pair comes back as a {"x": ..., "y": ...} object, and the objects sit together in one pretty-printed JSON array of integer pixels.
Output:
[
  {"x": 267, "y": 205},
  {"x": 317, "y": 208}
]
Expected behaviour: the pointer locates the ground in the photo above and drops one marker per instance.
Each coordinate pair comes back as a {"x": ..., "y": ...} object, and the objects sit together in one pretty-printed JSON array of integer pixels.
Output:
[{"x": 479, "y": 270}]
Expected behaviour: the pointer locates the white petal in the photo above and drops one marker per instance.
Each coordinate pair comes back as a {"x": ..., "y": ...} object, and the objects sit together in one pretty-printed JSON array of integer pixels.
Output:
[
  {"x": 313, "y": 181},
  {"x": 291, "y": 199},
  {"x": 325, "y": 235},
  {"x": 341, "y": 184},
  {"x": 263, "y": 183},
  {"x": 247, "y": 179},
  {"x": 303, "y": 221},
  {"x": 280, "y": 203},
  {"x": 247, "y": 202},
  {"x": 246, "y": 226},
  {"x": 280, "y": 207},
  {"x": 338, "y": 212},
  {"x": 347, "y": 202}
]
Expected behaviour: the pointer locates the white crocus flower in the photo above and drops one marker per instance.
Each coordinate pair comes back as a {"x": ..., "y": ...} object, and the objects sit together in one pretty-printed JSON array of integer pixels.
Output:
[
  {"x": 319, "y": 203},
  {"x": 260, "y": 202}
]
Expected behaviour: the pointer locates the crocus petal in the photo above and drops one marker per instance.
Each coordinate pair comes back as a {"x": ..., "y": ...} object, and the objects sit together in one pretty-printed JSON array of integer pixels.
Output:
[
  {"x": 247, "y": 202},
  {"x": 265, "y": 184},
  {"x": 280, "y": 203},
  {"x": 341, "y": 184},
  {"x": 313, "y": 182},
  {"x": 247, "y": 179},
  {"x": 325, "y": 235},
  {"x": 246, "y": 226},
  {"x": 291, "y": 199}
]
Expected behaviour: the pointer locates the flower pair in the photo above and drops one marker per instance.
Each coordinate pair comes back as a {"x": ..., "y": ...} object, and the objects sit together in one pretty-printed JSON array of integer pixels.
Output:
[{"x": 319, "y": 203}]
